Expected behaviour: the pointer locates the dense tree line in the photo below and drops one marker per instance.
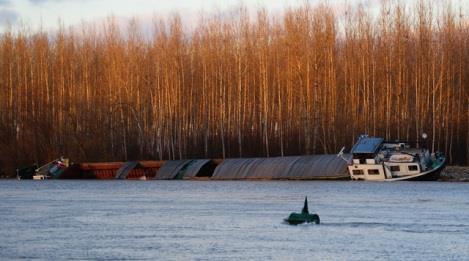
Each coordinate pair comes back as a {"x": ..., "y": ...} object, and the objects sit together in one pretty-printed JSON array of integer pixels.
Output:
[{"x": 307, "y": 81}]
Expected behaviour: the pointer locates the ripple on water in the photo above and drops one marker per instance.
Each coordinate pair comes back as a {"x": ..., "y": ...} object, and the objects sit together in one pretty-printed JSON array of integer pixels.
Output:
[{"x": 182, "y": 220}]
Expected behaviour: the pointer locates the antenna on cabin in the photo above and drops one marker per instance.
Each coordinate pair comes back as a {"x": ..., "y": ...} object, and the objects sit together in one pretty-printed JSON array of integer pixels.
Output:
[{"x": 341, "y": 155}]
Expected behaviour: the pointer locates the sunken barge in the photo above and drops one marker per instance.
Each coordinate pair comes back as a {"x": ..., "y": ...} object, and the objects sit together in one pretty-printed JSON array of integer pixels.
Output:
[
  {"x": 371, "y": 158},
  {"x": 311, "y": 167}
]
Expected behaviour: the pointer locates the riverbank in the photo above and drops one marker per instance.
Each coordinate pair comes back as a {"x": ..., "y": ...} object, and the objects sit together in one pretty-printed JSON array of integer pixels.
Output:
[{"x": 455, "y": 173}]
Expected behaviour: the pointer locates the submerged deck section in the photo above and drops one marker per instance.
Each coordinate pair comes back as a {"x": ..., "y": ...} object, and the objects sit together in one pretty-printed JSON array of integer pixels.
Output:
[
  {"x": 113, "y": 170},
  {"x": 292, "y": 167}
]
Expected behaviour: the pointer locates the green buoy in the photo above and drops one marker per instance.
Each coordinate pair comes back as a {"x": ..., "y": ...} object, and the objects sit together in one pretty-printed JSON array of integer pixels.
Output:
[{"x": 303, "y": 217}]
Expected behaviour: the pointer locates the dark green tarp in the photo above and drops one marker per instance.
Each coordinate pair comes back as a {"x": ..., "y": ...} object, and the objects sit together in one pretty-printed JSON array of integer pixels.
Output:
[
  {"x": 185, "y": 169},
  {"x": 172, "y": 169},
  {"x": 194, "y": 168},
  {"x": 291, "y": 167}
]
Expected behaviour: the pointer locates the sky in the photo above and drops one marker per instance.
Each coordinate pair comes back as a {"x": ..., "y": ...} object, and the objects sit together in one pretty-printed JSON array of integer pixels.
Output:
[{"x": 46, "y": 14}]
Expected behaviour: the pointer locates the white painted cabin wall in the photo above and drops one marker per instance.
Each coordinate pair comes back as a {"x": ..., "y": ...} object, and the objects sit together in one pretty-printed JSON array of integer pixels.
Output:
[{"x": 365, "y": 168}]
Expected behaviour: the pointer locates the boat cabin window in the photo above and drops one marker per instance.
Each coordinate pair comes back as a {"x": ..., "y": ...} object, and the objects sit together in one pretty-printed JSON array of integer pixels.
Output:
[
  {"x": 362, "y": 158},
  {"x": 373, "y": 172},
  {"x": 357, "y": 172},
  {"x": 395, "y": 168},
  {"x": 413, "y": 168},
  {"x": 370, "y": 161}
]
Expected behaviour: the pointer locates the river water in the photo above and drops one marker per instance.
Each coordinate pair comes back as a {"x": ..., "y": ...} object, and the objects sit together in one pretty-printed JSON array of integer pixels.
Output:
[{"x": 231, "y": 220}]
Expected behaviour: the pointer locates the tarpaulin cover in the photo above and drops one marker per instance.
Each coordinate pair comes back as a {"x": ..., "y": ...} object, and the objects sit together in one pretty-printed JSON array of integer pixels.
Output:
[
  {"x": 171, "y": 169},
  {"x": 193, "y": 168},
  {"x": 291, "y": 167},
  {"x": 125, "y": 169}
]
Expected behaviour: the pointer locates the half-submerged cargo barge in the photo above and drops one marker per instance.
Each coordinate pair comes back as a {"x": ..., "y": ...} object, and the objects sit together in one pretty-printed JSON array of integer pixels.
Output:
[
  {"x": 311, "y": 167},
  {"x": 371, "y": 158}
]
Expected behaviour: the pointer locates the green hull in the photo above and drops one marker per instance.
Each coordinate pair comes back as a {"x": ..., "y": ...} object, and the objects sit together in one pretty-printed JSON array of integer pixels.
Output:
[
  {"x": 303, "y": 217},
  {"x": 53, "y": 169},
  {"x": 297, "y": 218}
]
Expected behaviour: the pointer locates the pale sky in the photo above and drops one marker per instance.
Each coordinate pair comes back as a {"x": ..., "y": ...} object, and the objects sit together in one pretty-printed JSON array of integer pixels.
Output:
[{"x": 48, "y": 13}]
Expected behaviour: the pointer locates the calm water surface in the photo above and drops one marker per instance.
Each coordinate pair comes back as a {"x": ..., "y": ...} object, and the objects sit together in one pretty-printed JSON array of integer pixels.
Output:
[{"x": 218, "y": 220}]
